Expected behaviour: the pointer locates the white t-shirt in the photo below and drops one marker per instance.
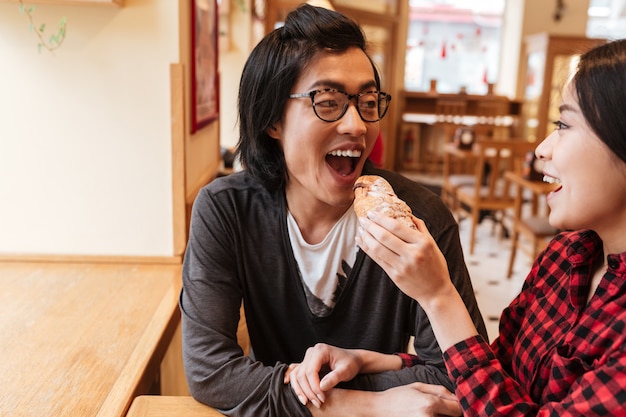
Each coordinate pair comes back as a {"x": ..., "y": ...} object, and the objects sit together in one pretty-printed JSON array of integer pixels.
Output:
[{"x": 324, "y": 267}]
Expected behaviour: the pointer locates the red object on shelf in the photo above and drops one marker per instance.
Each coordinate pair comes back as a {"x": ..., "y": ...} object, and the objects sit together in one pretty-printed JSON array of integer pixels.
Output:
[
  {"x": 377, "y": 153},
  {"x": 409, "y": 142}
]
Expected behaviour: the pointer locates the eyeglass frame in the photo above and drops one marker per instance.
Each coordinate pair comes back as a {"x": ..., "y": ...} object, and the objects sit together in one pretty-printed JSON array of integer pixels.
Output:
[{"x": 311, "y": 94}]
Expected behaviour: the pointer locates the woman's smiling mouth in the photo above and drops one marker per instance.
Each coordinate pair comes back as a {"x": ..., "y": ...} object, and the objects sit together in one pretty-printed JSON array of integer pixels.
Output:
[{"x": 552, "y": 180}]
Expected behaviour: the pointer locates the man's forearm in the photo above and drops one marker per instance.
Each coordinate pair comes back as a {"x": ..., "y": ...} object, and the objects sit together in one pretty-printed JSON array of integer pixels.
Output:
[
  {"x": 375, "y": 362},
  {"x": 407, "y": 400}
]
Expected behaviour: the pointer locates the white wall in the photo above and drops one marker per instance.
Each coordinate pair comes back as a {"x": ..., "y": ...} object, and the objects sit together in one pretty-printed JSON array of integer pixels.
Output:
[
  {"x": 538, "y": 17},
  {"x": 231, "y": 63},
  {"x": 527, "y": 17},
  {"x": 85, "y": 135},
  {"x": 510, "y": 49}
]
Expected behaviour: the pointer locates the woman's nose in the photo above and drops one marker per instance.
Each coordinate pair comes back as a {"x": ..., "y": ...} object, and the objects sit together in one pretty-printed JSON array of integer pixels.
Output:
[{"x": 543, "y": 151}]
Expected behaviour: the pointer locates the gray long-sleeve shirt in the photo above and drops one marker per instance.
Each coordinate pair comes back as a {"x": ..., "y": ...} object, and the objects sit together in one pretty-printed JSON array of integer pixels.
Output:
[{"x": 239, "y": 249}]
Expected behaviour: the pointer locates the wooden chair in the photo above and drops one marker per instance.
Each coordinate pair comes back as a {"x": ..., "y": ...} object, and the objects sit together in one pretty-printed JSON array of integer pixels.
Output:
[
  {"x": 533, "y": 226},
  {"x": 448, "y": 117},
  {"x": 491, "y": 192},
  {"x": 491, "y": 121},
  {"x": 458, "y": 170}
]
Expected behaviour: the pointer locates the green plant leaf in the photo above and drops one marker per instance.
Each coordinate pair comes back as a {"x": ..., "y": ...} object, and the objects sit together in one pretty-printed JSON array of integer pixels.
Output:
[{"x": 55, "y": 40}]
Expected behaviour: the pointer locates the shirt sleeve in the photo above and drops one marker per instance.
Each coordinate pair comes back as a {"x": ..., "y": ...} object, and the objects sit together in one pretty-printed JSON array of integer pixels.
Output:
[
  {"x": 409, "y": 360},
  {"x": 485, "y": 389},
  {"x": 218, "y": 373}
]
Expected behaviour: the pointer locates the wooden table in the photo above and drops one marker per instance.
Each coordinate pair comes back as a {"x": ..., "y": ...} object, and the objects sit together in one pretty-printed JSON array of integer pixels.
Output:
[
  {"x": 536, "y": 225},
  {"x": 167, "y": 406},
  {"x": 83, "y": 339}
]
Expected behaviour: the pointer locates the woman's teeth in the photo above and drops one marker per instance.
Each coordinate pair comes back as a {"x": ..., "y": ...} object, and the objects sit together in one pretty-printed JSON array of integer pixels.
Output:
[
  {"x": 551, "y": 180},
  {"x": 349, "y": 153}
]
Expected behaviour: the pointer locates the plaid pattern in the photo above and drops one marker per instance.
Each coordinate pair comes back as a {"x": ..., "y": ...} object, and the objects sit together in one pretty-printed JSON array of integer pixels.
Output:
[
  {"x": 409, "y": 360},
  {"x": 556, "y": 355}
]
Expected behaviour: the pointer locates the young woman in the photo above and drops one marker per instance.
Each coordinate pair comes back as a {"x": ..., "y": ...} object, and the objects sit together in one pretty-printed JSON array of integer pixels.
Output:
[
  {"x": 562, "y": 344},
  {"x": 280, "y": 235}
]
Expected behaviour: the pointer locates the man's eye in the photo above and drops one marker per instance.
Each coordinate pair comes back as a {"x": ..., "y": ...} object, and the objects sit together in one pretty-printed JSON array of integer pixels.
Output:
[
  {"x": 326, "y": 103},
  {"x": 559, "y": 125},
  {"x": 368, "y": 104}
]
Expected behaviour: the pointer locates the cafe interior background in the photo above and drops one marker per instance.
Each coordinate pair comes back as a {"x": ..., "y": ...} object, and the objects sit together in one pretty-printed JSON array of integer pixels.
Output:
[{"x": 101, "y": 150}]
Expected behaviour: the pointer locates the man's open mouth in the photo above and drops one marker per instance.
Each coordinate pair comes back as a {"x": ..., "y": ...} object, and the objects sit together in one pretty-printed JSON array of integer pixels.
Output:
[{"x": 343, "y": 161}]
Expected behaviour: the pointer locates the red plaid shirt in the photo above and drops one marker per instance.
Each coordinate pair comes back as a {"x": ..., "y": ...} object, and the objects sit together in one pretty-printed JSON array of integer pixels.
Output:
[{"x": 556, "y": 354}]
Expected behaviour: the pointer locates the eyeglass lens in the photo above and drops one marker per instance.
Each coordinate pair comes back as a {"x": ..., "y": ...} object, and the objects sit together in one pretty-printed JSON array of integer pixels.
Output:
[{"x": 331, "y": 105}]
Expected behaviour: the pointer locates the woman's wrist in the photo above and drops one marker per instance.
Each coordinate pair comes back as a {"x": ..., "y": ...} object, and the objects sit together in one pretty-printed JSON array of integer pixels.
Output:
[{"x": 449, "y": 318}]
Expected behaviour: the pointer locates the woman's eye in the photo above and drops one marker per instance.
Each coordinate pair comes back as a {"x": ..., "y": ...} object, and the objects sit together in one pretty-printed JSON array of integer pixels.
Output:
[{"x": 559, "y": 125}]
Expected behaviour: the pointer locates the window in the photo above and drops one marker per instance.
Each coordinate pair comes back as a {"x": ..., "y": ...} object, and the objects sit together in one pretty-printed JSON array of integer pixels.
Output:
[
  {"x": 456, "y": 42},
  {"x": 607, "y": 19}
]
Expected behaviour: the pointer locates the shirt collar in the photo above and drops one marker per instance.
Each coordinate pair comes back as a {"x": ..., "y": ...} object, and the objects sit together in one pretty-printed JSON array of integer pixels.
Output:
[{"x": 584, "y": 249}]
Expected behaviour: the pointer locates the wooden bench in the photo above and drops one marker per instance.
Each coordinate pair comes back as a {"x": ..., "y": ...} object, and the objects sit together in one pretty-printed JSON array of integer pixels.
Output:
[{"x": 170, "y": 406}]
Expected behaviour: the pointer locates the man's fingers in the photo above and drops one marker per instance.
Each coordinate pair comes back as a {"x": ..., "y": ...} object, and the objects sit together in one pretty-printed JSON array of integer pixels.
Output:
[
  {"x": 449, "y": 408},
  {"x": 438, "y": 390}
]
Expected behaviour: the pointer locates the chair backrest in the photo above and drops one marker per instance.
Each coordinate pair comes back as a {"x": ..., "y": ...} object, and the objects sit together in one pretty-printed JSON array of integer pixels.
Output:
[
  {"x": 450, "y": 111},
  {"x": 493, "y": 119},
  {"x": 494, "y": 158}
]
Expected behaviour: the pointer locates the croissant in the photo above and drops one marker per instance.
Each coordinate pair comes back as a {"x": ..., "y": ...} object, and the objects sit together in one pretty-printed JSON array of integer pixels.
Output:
[{"x": 372, "y": 192}]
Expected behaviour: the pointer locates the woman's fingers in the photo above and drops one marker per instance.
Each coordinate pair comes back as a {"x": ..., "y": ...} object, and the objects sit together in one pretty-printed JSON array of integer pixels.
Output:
[{"x": 410, "y": 257}]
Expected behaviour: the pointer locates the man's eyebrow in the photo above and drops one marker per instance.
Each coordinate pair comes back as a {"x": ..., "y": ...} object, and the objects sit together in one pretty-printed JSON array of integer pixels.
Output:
[{"x": 339, "y": 86}]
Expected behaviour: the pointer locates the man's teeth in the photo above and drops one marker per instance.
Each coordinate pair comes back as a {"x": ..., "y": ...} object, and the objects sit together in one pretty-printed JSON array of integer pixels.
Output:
[
  {"x": 349, "y": 153},
  {"x": 551, "y": 180}
]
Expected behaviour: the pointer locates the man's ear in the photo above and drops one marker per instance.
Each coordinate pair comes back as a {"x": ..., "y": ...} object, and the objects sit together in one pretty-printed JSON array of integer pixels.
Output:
[{"x": 274, "y": 130}]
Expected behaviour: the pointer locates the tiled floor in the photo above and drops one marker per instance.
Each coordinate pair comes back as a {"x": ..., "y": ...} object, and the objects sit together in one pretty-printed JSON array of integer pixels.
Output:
[{"x": 488, "y": 266}]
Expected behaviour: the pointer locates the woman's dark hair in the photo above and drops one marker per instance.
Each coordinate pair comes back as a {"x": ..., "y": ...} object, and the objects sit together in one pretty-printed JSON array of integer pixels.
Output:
[
  {"x": 600, "y": 83},
  {"x": 269, "y": 74}
]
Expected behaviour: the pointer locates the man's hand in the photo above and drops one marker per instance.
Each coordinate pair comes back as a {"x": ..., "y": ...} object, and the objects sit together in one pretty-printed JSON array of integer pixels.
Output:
[{"x": 420, "y": 399}]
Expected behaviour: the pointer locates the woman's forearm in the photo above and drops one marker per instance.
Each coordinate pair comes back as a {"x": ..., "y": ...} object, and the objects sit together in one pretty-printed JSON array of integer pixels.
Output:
[{"x": 449, "y": 318}]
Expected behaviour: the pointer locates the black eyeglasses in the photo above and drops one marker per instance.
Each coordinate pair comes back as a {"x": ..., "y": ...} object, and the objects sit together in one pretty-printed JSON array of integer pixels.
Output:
[{"x": 330, "y": 105}]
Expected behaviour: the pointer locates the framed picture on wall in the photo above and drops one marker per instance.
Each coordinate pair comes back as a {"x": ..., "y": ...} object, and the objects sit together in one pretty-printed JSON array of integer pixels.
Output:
[{"x": 204, "y": 74}]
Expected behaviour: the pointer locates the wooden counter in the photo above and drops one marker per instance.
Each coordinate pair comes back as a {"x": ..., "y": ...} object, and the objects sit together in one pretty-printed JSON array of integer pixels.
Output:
[
  {"x": 428, "y": 120},
  {"x": 426, "y": 103},
  {"x": 83, "y": 339}
]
